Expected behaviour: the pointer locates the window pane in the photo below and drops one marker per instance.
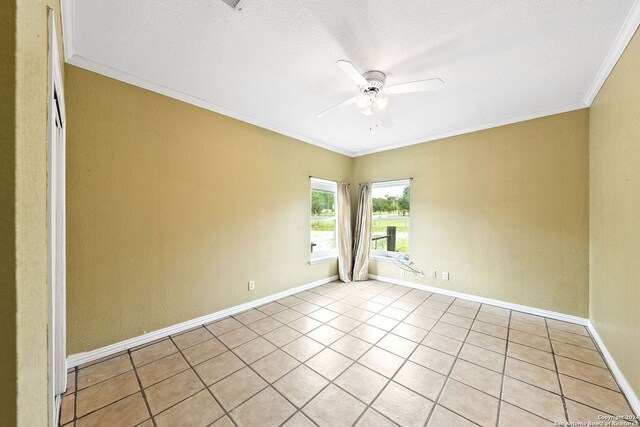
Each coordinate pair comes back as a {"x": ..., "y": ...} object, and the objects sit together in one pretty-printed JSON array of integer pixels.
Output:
[
  {"x": 323, "y": 235},
  {"x": 322, "y": 203},
  {"x": 390, "y": 222}
]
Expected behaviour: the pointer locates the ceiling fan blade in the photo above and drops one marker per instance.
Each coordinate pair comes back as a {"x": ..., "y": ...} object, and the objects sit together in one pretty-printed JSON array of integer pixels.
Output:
[
  {"x": 384, "y": 118},
  {"x": 335, "y": 107},
  {"x": 419, "y": 86},
  {"x": 351, "y": 71}
]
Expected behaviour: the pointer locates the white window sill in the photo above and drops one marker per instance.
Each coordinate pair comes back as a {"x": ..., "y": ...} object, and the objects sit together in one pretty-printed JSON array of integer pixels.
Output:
[
  {"x": 318, "y": 260},
  {"x": 384, "y": 258}
]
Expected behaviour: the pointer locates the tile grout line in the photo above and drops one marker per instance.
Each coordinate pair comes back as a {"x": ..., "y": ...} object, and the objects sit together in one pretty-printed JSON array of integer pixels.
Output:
[
  {"x": 448, "y": 376},
  {"x": 418, "y": 344},
  {"x": 374, "y": 344},
  {"x": 354, "y": 361},
  {"x": 277, "y": 348},
  {"x": 75, "y": 398},
  {"x": 444, "y": 321},
  {"x": 224, "y": 410},
  {"x": 457, "y": 357},
  {"x": 107, "y": 405},
  {"x": 144, "y": 396},
  {"x": 269, "y": 384},
  {"x": 555, "y": 363},
  {"x": 332, "y": 382},
  {"x": 387, "y": 333},
  {"x": 504, "y": 370},
  {"x": 280, "y": 348},
  {"x": 599, "y": 350},
  {"x": 455, "y": 360},
  {"x": 390, "y": 379},
  {"x": 245, "y": 325},
  {"x": 446, "y": 380}
]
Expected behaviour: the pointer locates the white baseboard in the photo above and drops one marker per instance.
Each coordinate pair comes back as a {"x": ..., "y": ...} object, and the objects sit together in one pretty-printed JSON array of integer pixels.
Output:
[
  {"x": 634, "y": 402},
  {"x": 89, "y": 356},
  {"x": 625, "y": 387},
  {"x": 511, "y": 306}
]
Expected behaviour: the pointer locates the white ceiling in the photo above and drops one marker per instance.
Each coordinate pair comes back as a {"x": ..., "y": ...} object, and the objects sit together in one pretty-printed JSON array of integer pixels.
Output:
[{"x": 273, "y": 62}]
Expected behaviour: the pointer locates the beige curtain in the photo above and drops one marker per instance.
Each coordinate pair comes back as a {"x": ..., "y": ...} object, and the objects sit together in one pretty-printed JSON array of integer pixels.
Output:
[
  {"x": 345, "y": 255},
  {"x": 362, "y": 234}
]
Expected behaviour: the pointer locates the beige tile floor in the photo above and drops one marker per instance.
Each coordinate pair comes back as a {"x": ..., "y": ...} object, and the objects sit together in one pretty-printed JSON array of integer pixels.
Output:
[{"x": 364, "y": 354}]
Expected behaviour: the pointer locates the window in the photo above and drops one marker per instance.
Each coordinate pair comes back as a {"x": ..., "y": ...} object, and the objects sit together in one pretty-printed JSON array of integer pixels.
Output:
[
  {"x": 390, "y": 218},
  {"x": 324, "y": 224}
]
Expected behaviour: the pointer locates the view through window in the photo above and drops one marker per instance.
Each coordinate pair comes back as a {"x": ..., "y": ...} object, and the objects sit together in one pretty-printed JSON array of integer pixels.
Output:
[
  {"x": 390, "y": 219},
  {"x": 323, "y": 218}
]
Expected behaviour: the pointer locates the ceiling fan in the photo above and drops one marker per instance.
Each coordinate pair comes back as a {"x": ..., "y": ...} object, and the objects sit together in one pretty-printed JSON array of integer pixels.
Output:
[{"x": 373, "y": 97}]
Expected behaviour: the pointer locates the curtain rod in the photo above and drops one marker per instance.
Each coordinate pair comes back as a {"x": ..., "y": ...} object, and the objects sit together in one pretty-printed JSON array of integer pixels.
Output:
[{"x": 391, "y": 180}]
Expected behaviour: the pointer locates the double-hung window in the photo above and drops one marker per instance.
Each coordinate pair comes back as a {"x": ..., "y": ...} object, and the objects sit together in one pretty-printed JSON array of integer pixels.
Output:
[
  {"x": 390, "y": 218},
  {"x": 324, "y": 219}
]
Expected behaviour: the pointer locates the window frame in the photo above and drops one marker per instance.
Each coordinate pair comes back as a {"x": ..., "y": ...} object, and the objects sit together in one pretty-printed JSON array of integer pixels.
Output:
[
  {"x": 331, "y": 186},
  {"x": 387, "y": 255}
]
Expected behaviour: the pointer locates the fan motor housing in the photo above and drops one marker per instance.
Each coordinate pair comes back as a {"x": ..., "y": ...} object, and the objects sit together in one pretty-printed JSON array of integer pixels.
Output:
[{"x": 375, "y": 79}]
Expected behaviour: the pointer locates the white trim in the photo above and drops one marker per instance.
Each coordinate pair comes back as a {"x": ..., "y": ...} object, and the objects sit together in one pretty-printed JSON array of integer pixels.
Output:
[
  {"x": 68, "y": 32},
  {"x": 622, "y": 40},
  {"x": 72, "y": 58},
  {"x": 318, "y": 260},
  {"x": 384, "y": 258},
  {"x": 114, "y": 73},
  {"x": 56, "y": 226},
  {"x": 323, "y": 184},
  {"x": 89, "y": 356},
  {"x": 319, "y": 184},
  {"x": 617, "y": 49},
  {"x": 163, "y": 90},
  {"x": 626, "y": 388},
  {"x": 385, "y": 255},
  {"x": 392, "y": 183},
  {"x": 495, "y": 124},
  {"x": 498, "y": 303}
]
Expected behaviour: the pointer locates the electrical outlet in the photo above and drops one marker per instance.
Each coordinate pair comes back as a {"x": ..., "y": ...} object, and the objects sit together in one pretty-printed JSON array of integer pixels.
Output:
[
  {"x": 402, "y": 272},
  {"x": 445, "y": 275},
  {"x": 252, "y": 285},
  {"x": 433, "y": 274}
]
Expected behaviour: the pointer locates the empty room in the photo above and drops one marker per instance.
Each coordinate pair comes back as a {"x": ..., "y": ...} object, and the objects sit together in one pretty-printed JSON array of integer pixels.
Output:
[{"x": 320, "y": 213}]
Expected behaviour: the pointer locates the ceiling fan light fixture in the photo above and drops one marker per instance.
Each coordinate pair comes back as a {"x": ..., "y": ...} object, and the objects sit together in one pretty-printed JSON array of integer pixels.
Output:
[
  {"x": 367, "y": 111},
  {"x": 363, "y": 101},
  {"x": 380, "y": 103},
  {"x": 372, "y": 98}
]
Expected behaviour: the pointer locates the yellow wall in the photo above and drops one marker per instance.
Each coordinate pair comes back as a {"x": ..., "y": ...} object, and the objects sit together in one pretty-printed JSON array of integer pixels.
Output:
[
  {"x": 167, "y": 217},
  {"x": 172, "y": 209},
  {"x": 614, "y": 183},
  {"x": 7, "y": 213},
  {"x": 30, "y": 281},
  {"x": 503, "y": 210}
]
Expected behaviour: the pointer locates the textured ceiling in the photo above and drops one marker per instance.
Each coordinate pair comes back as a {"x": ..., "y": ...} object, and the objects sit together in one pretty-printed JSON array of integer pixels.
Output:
[{"x": 273, "y": 62}]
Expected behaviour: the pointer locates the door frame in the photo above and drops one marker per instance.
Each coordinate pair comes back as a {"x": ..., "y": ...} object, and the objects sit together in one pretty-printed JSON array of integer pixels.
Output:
[{"x": 56, "y": 228}]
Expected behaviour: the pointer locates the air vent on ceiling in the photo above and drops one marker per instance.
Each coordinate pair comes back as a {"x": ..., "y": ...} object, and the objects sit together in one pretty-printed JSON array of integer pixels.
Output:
[{"x": 232, "y": 3}]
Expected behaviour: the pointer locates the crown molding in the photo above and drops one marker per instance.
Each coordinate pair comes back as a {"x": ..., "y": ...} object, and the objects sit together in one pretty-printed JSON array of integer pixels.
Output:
[
  {"x": 619, "y": 45},
  {"x": 70, "y": 56},
  {"x": 622, "y": 40},
  {"x": 122, "y": 76},
  {"x": 68, "y": 33},
  {"x": 517, "y": 119}
]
